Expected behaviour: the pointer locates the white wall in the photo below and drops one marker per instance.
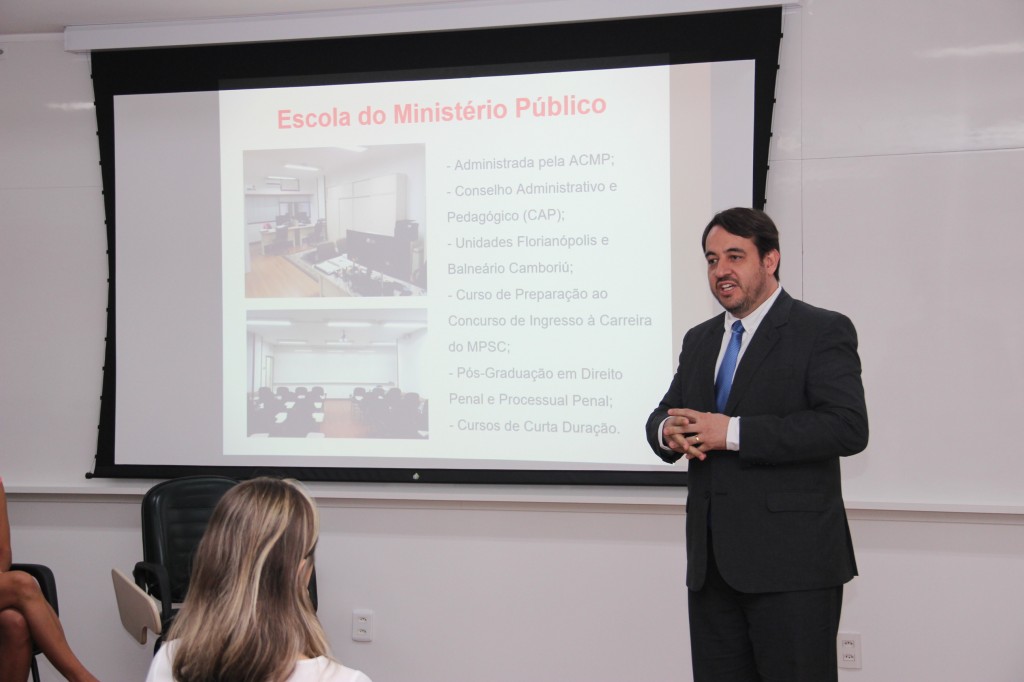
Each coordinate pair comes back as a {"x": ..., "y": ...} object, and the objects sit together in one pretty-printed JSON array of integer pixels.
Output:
[
  {"x": 897, "y": 156},
  {"x": 460, "y": 591}
]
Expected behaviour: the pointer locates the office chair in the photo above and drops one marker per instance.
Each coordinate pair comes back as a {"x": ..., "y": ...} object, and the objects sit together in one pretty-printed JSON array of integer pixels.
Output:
[
  {"x": 282, "y": 242},
  {"x": 299, "y": 421},
  {"x": 48, "y": 586},
  {"x": 262, "y": 411},
  {"x": 411, "y": 417},
  {"x": 317, "y": 234},
  {"x": 175, "y": 514},
  {"x": 325, "y": 251}
]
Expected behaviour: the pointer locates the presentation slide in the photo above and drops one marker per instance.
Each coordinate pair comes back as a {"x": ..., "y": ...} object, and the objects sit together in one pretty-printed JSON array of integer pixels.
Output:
[{"x": 472, "y": 273}]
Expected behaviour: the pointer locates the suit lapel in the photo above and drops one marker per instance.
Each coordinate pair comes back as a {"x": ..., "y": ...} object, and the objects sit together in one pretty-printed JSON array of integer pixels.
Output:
[{"x": 765, "y": 338}]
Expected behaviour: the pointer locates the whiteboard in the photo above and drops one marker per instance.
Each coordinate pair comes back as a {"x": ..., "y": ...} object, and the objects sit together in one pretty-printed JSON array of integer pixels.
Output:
[{"x": 377, "y": 367}]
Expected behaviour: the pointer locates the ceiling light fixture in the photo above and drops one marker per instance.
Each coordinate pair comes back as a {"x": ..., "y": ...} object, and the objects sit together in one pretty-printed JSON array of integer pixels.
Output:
[{"x": 343, "y": 341}]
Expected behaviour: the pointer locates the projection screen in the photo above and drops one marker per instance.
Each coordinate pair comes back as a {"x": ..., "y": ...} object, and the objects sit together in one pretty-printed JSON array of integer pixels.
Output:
[{"x": 463, "y": 272}]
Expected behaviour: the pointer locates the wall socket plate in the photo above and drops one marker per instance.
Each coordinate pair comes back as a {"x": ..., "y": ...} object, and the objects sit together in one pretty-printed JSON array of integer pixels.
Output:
[
  {"x": 848, "y": 650},
  {"x": 362, "y": 625}
]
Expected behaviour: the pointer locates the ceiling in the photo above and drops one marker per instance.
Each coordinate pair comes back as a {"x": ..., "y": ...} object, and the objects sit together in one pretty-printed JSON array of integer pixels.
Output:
[
  {"x": 329, "y": 162},
  {"x": 53, "y": 16}
]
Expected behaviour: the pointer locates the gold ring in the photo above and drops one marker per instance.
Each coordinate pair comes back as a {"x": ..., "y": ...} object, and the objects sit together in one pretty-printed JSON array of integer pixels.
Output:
[{"x": 696, "y": 440}]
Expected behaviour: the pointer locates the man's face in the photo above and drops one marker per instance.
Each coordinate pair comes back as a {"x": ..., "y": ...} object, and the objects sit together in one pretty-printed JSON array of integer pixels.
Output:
[{"x": 740, "y": 279}]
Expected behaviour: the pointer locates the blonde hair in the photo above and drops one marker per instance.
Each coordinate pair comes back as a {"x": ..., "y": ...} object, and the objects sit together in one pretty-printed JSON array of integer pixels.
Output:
[{"x": 247, "y": 615}]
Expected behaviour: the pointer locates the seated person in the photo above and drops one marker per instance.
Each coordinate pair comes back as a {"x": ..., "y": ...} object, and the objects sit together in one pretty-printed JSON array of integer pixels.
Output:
[
  {"x": 248, "y": 615},
  {"x": 26, "y": 616}
]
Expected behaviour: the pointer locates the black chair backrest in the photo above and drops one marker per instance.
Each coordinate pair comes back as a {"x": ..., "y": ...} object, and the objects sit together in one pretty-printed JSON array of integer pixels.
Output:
[
  {"x": 175, "y": 514},
  {"x": 43, "y": 576}
]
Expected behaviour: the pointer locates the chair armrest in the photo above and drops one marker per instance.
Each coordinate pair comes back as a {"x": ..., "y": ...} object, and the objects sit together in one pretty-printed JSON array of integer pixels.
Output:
[
  {"x": 157, "y": 575},
  {"x": 43, "y": 576},
  {"x": 137, "y": 609}
]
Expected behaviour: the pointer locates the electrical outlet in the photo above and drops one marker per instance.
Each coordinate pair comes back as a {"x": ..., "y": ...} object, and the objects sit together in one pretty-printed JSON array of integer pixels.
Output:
[
  {"x": 362, "y": 625},
  {"x": 848, "y": 648}
]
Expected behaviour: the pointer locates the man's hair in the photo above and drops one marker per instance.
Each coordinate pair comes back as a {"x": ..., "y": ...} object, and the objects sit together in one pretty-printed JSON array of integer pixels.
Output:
[
  {"x": 248, "y": 614},
  {"x": 749, "y": 223}
]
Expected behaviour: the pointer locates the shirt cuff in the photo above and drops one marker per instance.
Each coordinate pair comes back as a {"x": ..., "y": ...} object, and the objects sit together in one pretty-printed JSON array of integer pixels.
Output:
[
  {"x": 732, "y": 436},
  {"x": 661, "y": 434}
]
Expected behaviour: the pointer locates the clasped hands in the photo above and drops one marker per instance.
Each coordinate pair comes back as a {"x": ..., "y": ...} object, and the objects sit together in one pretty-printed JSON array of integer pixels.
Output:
[{"x": 693, "y": 433}]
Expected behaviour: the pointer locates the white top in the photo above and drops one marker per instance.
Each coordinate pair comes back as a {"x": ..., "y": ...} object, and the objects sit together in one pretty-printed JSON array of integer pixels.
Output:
[{"x": 320, "y": 669}]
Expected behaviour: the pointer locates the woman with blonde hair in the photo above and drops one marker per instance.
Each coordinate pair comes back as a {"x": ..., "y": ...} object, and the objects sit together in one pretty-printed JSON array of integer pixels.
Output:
[{"x": 247, "y": 616}]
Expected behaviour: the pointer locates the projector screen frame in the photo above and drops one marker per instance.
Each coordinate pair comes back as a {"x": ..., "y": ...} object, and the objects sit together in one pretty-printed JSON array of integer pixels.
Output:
[{"x": 675, "y": 39}]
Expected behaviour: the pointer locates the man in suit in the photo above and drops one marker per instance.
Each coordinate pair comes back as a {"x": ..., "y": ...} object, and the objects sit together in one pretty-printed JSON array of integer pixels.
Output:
[{"x": 766, "y": 399}]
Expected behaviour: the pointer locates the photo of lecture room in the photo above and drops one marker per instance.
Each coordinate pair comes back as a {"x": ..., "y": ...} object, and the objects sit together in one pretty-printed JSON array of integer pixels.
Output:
[
  {"x": 337, "y": 374},
  {"x": 335, "y": 221}
]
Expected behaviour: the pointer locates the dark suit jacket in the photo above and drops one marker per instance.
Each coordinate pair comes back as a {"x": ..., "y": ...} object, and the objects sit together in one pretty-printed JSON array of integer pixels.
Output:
[{"x": 778, "y": 520}]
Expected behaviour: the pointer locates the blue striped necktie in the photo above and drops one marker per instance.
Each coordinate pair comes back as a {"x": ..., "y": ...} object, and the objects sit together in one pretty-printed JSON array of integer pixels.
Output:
[{"x": 723, "y": 383}]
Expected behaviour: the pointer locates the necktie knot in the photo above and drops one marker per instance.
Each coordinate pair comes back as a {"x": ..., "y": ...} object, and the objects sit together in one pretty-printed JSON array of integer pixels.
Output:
[{"x": 723, "y": 382}]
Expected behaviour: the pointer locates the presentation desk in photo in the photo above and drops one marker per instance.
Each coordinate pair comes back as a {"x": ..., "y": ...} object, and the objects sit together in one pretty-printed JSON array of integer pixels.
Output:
[
  {"x": 296, "y": 233},
  {"x": 340, "y": 276}
]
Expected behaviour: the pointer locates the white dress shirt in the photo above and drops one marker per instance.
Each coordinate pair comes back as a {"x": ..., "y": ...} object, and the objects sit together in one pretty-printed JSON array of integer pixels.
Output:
[{"x": 750, "y": 324}]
